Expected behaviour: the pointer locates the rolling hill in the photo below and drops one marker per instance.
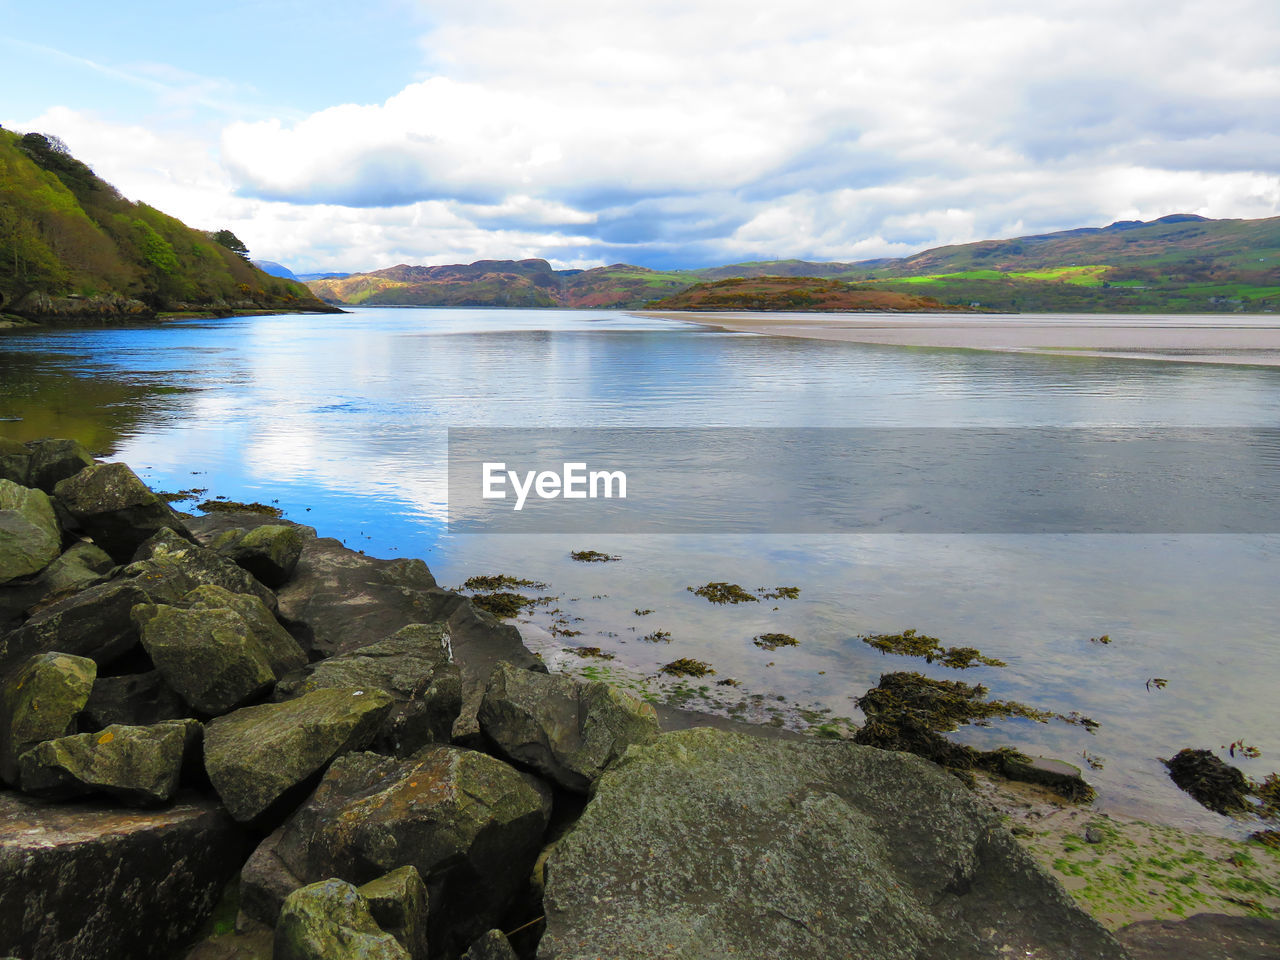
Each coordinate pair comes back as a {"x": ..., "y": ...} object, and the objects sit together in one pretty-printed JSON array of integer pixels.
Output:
[
  {"x": 1181, "y": 264},
  {"x": 73, "y": 249}
]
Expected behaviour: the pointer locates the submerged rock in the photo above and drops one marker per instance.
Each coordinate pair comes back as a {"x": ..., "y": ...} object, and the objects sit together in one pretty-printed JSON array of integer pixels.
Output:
[
  {"x": 566, "y": 730},
  {"x": 711, "y": 844},
  {"x": 93, "y": 880},
  {"x": 269, "y": 552},
  {"x": 39, "y": 702},
  {"x": 116, "y": 508},
  {"x": 330, "y": 920},
  {"x": 414, "y": 666},
  {"x": 258, "y": 755},
  {"x": 136, "y": 765},
  {"x": 29, "y": 536}
]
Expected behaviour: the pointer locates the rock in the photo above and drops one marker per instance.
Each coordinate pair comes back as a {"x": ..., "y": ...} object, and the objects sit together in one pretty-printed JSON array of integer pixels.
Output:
[
  {"x": 135, "y": 699},
  {"x": 135, "y": 765},
  {"x": 281, "y": 650},
  {"x": 171, "y": 567},
  {"x": 415, "y": 667},
  {"x": 265, "y": 881},
  {"x": 269, "y": 552},
  {"x": 253, "y": 944},
  {"x": 470, "y": 824},
  {"x": 93, "y": 623},
  {"x": 40, "y": 702},
  {"x": 209, "y": 657},
  {"x": 29, "y": 536},
  {"x": 1205, "y": 936},
  {"x": 1210, "y": 781},
  {"x": 115, "y": 508},
  {"x": 55, "y": 460},
  {"x": 1093, "y": 835},
  {"x": 399, "y": 903},
  {"x": 709, "y": 844},
  {"x": 329, "y": 920},
  {"x": 15, "y": 459},
  {"x": 567, "y": 731},
  {"x": 1059, "y": 776},
  {"x": 94, "y": 880},
  {"x": 492, "y": 946},
  {"x": 258, "y": 756},
  {"x": 80, "y": 566}
]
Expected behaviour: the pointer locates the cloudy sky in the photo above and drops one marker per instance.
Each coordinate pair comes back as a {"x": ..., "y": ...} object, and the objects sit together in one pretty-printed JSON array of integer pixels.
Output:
[{"x": 691, "y": 132}]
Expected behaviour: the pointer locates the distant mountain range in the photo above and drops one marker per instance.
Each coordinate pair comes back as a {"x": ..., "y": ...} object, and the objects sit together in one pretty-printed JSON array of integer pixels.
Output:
[
  {"x": 73, "y": 249},
  {"x": 1179, "y": 263}
]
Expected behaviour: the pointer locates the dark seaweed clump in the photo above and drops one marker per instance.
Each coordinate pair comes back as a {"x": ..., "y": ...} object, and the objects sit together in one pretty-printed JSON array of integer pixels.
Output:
[
  {"x": 658, "y": 636},
  {"x": 594, "y": 653},
  {"x": 685, "y": 667},
  {"x": 909, "y": 643},
  {"x": 720, "y": 592},
  {"x": 233, "y": 506},
  {"x": 489, "y": 583},
  {"x": 591, "y": 556},
  {"x": 1209, "y": 780},
  {"x": 779, "y": 593},
  {"x": 772, "y": 641}
]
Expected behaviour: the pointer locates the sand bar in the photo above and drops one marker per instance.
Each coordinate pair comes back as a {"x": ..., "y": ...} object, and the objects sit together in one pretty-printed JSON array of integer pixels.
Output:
[{"x": 1230, "y": 338}]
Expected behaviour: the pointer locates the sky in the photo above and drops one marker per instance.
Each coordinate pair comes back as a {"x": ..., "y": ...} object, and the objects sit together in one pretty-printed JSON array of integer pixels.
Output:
[{"x": 331, "y": 136}]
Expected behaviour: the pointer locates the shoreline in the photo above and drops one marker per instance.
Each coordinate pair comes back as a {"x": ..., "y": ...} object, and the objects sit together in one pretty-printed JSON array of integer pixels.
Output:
[{"x": 1190, "y": 339}]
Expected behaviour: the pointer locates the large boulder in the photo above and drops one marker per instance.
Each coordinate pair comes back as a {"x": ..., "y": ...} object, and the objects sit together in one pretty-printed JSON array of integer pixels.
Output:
[
  {"x": 269, "y": 552},
  {"x": 134, "y": 699},
  {"x": 260, "y": 757},
  {"x": 706, "y": 843},
  {"x": 39, "y": 702},
  {"x": 567, "y": 731},
  {"x": 116, "y": 508},
  {"x": 414, "y": 666},
  {"x": 209, "y": 657},
  {"x": 55, "y": 460},
  {"x": 401, "y": 906},
  {"x": 139, "y": 766},
  {"x": 281, "y": 650},
  {"x": 94, "y": 880},
  {"x": 330, "y": 920},
  {"x": 15, "y": 461},
  {"x": 29, "y": 536},
  {"x": 81, "y": 565},
  {"x": 94, "y": 623},
  {"x": 493, "y": 945},
  {"x": 170, "y": 567},
  {"x": 470, "y": 824}
]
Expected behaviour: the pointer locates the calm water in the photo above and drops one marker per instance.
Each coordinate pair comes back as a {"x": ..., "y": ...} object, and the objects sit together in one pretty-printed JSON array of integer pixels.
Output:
[{"x": 343, "y": 420}]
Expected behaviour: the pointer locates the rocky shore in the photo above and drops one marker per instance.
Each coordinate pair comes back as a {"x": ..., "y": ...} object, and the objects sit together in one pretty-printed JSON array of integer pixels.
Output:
[{"x": 228, "y": 737}]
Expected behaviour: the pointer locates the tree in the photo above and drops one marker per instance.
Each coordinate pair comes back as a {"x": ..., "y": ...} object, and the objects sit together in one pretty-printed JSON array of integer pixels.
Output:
[{"x": 233, "y": 243}]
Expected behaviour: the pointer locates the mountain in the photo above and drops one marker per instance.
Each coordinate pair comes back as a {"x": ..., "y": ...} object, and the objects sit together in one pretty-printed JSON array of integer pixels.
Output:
[
  {"x": 73, "y": 248},
  {"x": 271, "y": 268},
  {"x": 1181, "y": 263}
]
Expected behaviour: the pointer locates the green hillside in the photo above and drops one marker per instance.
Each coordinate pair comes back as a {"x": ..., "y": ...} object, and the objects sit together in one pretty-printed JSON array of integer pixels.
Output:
[{"x": 72, "y": 248}]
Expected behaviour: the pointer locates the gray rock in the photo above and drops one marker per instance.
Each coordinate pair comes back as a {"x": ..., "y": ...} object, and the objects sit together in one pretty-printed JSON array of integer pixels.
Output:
[
  {"x": 281, "y": 650},
  {"x": 139, "y": 766},
  {"x": 470, "y": 824},
  {"x": 55, "y": 460},
  {"x": 81, "y": 565},
  {"x": 266, "y": 880},
  {"x": 29, "y": 536},
  {"x": 209, "y": 657},
  {"x": 330, "y": 920},
  {"x": 269, "y": 552},
  {"x": 414, "y": 666},
  {"x": 134, "y": 699},
  {"x": 568, "y": 731},
  {"x": 115, "y": 508},
  {"x": 94, "y": 623},
  {"x": 1205, "y": 936},
  {"x": 400, "y": 905},
  {"x": 491, "y": 946},
  {"x": 170, "y": 567},
  {"x": 39, "y": 702},
  {"x": 91, "y": 880},
  {"x": 15, "y": 460},
  {"x": 708, "y": 844},
  {"x": 260, "y": 755}
]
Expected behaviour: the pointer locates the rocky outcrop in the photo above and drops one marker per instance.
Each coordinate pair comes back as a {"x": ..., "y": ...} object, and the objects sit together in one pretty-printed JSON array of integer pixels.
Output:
[
  {"x": 115, "y": 508},
  {"x": 15, "y": 461},
  {"x": 269, "y": 552},
  {"x": 258, "y": 756},
  {"x": 53, "y": 461},
  {"x": 414, "y": 666},
  {"x": 567, "y": 731},
  {"x": 706, "y": 844},
  {"x": 330, "y": 920},
  {"x": 138, "y": 766},
  {"x": 169, "y": 567},
  {"x": 29, "y": 536},
  {"x": 92, "y": 880},
  {"x": 1205, "y": 936},
  {"x": 40, "y": 702}
]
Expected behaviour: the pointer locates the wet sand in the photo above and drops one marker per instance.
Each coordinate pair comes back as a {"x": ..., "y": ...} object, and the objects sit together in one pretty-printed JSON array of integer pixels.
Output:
[{"x": 1233, "y": 338}]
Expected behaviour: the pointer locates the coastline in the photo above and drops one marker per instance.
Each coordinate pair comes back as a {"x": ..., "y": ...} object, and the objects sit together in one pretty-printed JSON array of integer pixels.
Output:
[{"x": 1237, "y": 339}]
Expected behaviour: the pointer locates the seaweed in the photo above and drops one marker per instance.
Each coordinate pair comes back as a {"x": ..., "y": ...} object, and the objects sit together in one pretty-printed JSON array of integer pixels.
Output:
[
  {"x": 658, "y": 636},
  {"x": 720, "y": 592},
  {"x": 489, "y": 583},
  {"x": 1210, "y": 781},
  {"x": 772, "y": 641},
  {"x": 591, "y": 556},
  {"x": 594, "y": 653},
  {"x": 642, "y": 613},
  {"x": 233, "y": 506},
  {"x": 685, "y": 667},
  {"x": 779, "y": 593},
  {"x": 909, "y": 643}
]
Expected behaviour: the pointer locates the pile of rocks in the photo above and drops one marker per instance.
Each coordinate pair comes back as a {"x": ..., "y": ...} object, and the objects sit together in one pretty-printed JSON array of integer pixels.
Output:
[{"x": 231, "y": 709}]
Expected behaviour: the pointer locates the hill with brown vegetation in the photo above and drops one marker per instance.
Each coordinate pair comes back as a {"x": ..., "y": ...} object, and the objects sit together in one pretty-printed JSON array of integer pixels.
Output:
[{"x": 797, "y": 294}]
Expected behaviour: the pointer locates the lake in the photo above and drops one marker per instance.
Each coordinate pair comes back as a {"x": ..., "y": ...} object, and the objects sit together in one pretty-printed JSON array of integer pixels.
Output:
[{"x": 343, "y": 420}]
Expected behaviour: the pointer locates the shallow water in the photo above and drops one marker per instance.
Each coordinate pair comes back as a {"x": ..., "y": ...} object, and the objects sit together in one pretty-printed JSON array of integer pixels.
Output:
[{"x": 343, "y": 420}]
